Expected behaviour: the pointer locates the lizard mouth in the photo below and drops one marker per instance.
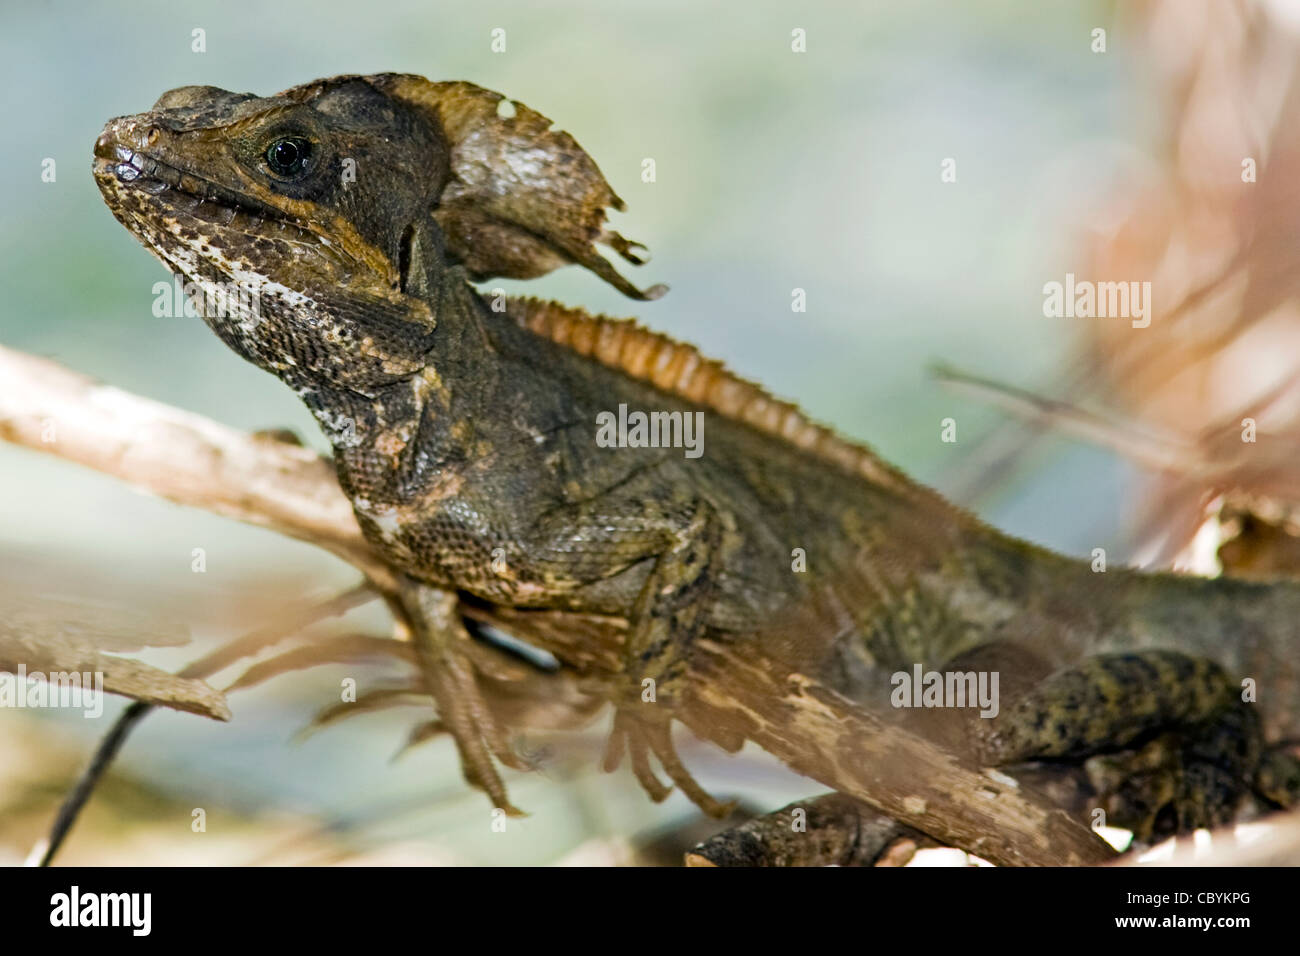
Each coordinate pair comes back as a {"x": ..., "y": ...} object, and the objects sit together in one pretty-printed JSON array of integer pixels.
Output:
[{"x": 119, "y": 168}]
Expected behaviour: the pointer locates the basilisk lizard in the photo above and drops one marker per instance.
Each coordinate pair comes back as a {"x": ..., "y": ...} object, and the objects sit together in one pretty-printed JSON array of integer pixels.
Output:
[{"x": 358, "y": 211}]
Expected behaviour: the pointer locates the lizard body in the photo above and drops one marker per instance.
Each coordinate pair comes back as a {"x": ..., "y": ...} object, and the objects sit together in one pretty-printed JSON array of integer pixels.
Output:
[{"x": 360, "y": 209}]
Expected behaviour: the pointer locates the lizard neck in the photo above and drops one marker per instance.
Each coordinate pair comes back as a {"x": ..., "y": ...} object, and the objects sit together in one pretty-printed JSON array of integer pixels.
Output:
[
  {"x": 378, "y": 368},
  {"x": 395, "y": 441}
]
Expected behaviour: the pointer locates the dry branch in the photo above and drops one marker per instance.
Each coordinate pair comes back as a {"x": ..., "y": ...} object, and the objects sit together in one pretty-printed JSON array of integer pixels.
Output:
[
  {"x": 53, "y": 653},
  {"x": 737, "y": 693},
  {"x": 178, "y": 455},
  {"x": 78, "y": 638}
]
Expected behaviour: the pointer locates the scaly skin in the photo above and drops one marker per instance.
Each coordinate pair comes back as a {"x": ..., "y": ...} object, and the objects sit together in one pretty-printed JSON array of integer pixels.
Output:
[{"x": 465, "y": 436}]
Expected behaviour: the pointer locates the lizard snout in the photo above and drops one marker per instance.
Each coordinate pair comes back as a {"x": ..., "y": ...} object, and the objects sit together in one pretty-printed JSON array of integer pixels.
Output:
[{"x": 125, "y": 134}]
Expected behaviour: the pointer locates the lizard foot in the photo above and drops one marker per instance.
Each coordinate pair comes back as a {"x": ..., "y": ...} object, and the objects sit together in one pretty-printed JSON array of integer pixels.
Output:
[
  {"x": 640, "y": 736},
  {"x": 446, "y": 667},
  {"x": 1182, "y": 780},
  {"x": 1278, "y": 777},
  {"x": 466, "y": 716},
  {"x": 836, "y": 831}
]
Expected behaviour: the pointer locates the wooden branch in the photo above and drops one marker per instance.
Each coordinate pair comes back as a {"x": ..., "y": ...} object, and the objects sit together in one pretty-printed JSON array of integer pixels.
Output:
[
  {"x": 180, "y": 456},
  {"x": 737, "y": 694},
  {"x": 55, "y": 653},
  {"x": 77, "y": 638},
  {"x": 819, "y": 733}
]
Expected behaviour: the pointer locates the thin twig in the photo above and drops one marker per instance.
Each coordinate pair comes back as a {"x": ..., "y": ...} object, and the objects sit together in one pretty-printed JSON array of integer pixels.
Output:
[
  {"x": 1154, "y": 449},
  {"x": 76, "y": 799},
  {"x": 283, "y": 626}
]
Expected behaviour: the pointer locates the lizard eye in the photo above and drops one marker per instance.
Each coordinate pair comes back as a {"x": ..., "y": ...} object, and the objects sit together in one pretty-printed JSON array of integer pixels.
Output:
[{"x": 289, "y": 156}]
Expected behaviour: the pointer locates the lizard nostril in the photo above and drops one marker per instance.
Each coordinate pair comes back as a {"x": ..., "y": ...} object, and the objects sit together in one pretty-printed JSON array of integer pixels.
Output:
[{"x": 151, "y": 136}]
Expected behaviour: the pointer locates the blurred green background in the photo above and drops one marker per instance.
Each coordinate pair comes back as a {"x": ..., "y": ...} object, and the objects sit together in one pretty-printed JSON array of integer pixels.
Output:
[{"x": 775, "y": 170}]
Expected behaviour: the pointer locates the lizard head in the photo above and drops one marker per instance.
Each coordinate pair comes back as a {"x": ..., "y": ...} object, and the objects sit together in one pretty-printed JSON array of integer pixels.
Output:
[{"x": 337, "y": 208}]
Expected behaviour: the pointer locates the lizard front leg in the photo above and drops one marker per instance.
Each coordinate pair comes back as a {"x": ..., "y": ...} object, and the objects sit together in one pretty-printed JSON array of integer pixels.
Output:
[
  {"x": 440, "y": 641},
  {"x": 669, "y": 613}
]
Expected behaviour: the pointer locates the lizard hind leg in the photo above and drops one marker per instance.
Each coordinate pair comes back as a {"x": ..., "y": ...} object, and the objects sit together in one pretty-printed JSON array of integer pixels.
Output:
[
  {"x": 1164, "y": 739},
  {"x": 1186, "y": 779},
  {"x": 1102, "y": 703}
]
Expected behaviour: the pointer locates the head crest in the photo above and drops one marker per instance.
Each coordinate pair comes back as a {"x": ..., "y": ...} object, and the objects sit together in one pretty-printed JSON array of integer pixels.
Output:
[{"x": 522, "y": 198}]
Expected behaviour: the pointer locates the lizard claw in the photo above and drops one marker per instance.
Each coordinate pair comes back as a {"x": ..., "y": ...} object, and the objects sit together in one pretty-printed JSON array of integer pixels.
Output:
[
  {"x": 466, "y": 716},
  {"x": 625, "y": 737},
  {"x": 639, "y": 737}
]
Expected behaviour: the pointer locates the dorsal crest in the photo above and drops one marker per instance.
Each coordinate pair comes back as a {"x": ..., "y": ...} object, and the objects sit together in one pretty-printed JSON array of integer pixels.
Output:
[{"x": 679, "y": 369}]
